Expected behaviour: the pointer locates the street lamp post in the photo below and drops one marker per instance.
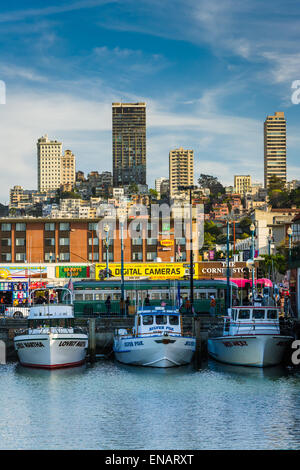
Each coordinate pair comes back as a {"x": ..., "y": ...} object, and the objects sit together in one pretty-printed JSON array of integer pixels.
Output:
[
  {"x": 106, "y": 230},
  {"x": 290, "y": 233},
  {"x": 228, "y": 300},
  {"x": 121, "y": 219},
  {"x": 252, "y": 228},
  {"x": 190, "y": 188}
]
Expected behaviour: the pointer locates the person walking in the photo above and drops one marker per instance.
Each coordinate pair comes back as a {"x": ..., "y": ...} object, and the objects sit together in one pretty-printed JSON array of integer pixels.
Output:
[
  {"x": 108, "y": 305},
  {"x": 147, "y": 300},
  {"x": 212, "y": 306}
]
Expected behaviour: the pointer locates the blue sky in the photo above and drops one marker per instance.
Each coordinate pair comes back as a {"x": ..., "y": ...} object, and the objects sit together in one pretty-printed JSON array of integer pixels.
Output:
[{"x": 209, "y": 70}]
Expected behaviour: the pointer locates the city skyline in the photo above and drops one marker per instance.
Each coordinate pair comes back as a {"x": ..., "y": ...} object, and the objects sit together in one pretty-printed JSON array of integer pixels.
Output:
[{"x": 204, "y": 89}]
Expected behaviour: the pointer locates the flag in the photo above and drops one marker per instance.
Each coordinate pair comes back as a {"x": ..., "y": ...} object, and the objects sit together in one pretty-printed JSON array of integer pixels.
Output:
[{"x": 70, "y": 285}]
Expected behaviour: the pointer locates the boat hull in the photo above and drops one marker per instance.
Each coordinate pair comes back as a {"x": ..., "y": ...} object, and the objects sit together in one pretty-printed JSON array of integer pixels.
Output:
[
  {"x": 155, "y": 351},
  {"x": 249, "y": 350},
  {"x": 51, "y": 351}
]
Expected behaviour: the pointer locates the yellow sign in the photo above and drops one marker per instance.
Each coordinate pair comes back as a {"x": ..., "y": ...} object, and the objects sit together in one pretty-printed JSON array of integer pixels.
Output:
[
  {"x": 167, "y": 242},
  {"x": 150, "y": 270}
]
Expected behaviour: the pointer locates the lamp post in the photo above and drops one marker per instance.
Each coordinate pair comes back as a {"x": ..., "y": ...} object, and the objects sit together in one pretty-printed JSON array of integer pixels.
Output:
[
  {"x": 290, "y": 233},
  {"x": 122, "y": 219},
  {"x": 190, "y": 188},
  {"x": 228, "y": 300},
  {"x": 106, "y": 230},
  {"x": 270, "y": 239},
  {"x": 252, "y": 228}
]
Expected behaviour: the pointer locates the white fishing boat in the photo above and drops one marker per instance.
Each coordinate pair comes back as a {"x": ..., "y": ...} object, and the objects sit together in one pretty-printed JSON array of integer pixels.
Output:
[
  {"x": 51, "y": 341},
  {"x": 251, "y": 336},
  {"x": 156, "y": 340}
]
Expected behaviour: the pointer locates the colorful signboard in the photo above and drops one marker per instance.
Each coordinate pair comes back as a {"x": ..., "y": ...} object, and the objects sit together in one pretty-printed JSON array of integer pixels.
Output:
[
  {"x": 218, "y": 269},
  {"x": 10, "y": 272},
  {"x": 149, "y": 270},
  {"x": 167, "y": 243},
  {"x": 73, "y": 271}
]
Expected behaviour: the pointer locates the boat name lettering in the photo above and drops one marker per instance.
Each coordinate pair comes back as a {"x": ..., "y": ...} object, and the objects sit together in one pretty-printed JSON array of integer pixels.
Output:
[
  {"x": 138, "y": 343},
  {"x": 229, "y": 344},
  {"x": 156, "y": 328},
  {"x": 32, "y": 344},
  {"x": 128, "y": 343},
  {"x": 72, "y": 343}
]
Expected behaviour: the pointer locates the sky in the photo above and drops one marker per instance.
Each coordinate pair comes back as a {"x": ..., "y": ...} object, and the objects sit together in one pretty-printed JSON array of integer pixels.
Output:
[{"x": 210, "y": 71}]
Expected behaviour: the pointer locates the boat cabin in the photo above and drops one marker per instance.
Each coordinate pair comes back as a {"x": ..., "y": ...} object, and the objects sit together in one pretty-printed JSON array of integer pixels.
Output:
[
  {"x": 252, "y": 320},
  {"x": 51, "y": 317},
  {"x": 157, "y": 320}
]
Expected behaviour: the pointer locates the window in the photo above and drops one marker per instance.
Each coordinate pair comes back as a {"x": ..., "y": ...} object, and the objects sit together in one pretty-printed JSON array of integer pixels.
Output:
[
  {"x": 151, "y": 256},
  {"x": 161, "y": 319},
  {"x": 64, "y": 241},
  {"x": 258, "y": 314},
  {"x": 137, "y": 256},
  {"x": 93, "y": 225},
  {"x": 64, "y": 226},
  {"x": 20, "y": 256},
  {"x": 272, "y": 314},
  {"x": 6, "y": 257},
  {"x": 95, "y": 241},
  {"x": 244, "y": 314},
  {"x": 94, "y": 256},
  {"x": 151, "y": 241},
  {"x": 173, "y": 320},
  {"x": 20, "y": 241},
  {"x": 110, "y": 256},
  {"x": 6, "y": 241},
  {"x": 49, "y": 241},
  {"x": 64, "y": 256},
  {"x": 78, "y": 296},
  {"x": 6, "y": 227},
  {"x": 137, "y": 241},
  {"x": 49, "y": 257},
  {"x": 20, "y": 227},
  {"x": 49, "y": 227},
  {"x": 148, "y": 320}
]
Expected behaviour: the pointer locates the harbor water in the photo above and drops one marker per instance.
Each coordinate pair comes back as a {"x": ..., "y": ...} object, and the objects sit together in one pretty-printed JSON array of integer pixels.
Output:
[{"x": 111, "y": 406}]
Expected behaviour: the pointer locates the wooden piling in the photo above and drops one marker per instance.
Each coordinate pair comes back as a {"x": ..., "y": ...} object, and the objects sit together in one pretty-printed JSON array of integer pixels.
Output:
[
  {"x": 92, "y": 339},
  {"x": 197, "y": 332}
]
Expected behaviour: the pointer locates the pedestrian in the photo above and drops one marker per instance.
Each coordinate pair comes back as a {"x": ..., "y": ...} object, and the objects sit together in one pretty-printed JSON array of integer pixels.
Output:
[
  {"x": 147, "y": 300},
  {"x": 212, "y": 306},
  {"x": 187, "y": 305},
  {"x": 122, "y": 306},
  {"x": 108, "y": 305}
]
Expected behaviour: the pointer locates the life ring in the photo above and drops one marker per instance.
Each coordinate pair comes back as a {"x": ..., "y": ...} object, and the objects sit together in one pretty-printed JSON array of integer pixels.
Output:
[{"x": 18, "y": 314}]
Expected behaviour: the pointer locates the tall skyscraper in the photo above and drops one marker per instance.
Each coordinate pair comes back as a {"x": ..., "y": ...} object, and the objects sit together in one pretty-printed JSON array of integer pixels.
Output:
[
  {"x": 54, "y": 169},
  {"x": 181, "y": 169},
  {"x": 275, "y": 147},
  {"x": 129, "y": 143}
]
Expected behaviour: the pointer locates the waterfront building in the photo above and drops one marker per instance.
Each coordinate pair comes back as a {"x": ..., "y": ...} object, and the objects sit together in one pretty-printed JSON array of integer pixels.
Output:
[
  {"x": 242, "y": 184},
  {"x": 65, "y": 239},
  {"x": 129, "y": 143},
  {"x": 275, "y": 147},
  {"x": 181, "y": 169}
]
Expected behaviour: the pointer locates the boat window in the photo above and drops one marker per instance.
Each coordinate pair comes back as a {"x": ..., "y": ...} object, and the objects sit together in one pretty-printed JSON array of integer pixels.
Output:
[
  {"x": 258, "y": 314},
  {"x": 233, "y": 314},
  {"x": 272, "y": 314},
  {"x": 161, "y": 319},
  {"x": 244, "y": 314},
  {"x": 148, "y": 320},
  {"x": 173, "y": 320}
]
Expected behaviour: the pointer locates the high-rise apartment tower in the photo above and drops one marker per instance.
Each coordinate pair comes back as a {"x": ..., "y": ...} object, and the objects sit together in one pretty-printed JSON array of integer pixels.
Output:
[
  {"x": 129, "y": 143},
  {"x": 181, "y": 169},
  {"x": 275, "y": 147}
]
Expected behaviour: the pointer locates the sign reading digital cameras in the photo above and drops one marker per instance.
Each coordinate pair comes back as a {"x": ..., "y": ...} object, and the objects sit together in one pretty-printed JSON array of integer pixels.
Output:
[{"x": 149, "y": 270}]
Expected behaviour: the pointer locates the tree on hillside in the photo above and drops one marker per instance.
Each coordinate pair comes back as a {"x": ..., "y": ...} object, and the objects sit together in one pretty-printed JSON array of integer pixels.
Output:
[{"x": 212, "y": 183}]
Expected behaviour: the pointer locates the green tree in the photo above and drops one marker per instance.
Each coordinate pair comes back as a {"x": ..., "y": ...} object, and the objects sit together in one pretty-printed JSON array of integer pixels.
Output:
[{"x": 133, "y": 189}]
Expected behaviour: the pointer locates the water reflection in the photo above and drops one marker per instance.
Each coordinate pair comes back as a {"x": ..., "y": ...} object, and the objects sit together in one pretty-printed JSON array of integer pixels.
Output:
[{"x": 272, "y": 373}]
